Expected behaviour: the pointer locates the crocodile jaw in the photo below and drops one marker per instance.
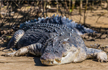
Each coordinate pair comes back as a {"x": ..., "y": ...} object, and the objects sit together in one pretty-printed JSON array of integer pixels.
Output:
[{"x": 70, "y": 57}]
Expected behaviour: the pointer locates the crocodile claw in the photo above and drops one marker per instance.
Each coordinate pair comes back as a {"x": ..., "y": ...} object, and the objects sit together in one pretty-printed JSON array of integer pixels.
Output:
[
  {"x": 6, "y": 50},
  {"x": 102, "y": 57},
  {"x": 9, "y": 54}
]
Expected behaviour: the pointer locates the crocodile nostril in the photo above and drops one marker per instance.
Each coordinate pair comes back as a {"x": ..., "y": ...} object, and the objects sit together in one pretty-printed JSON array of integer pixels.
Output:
[{"x": 63, "y": 55}]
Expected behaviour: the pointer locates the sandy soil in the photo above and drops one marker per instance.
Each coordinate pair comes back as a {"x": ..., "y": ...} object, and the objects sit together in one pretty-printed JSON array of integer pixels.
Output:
[{"x": 33, "y": 63}]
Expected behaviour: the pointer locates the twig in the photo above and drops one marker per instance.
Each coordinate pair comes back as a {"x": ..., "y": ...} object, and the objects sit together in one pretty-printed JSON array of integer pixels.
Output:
[
  {"x": 85, "y": 12},
  {"x": 92, "y": 6},
  {"x": 57, "y": 6},
  {"x": 73, "y": 4},
  {"x": 100, "y": 16},
  {"x": 80, "y": 8},
  {"x": 107, "y": 4}
]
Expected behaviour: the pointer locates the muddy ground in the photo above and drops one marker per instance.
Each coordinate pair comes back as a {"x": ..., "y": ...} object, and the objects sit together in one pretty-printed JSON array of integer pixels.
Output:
[{"x": 33, "y": 63}]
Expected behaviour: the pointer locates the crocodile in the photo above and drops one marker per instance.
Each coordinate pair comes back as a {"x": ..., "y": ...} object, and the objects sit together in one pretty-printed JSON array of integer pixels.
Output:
[{"x": 55, "y": 43}]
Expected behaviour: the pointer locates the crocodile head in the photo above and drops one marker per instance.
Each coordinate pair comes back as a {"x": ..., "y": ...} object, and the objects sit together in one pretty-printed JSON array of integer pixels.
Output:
[{"x": 59, "y": 50}]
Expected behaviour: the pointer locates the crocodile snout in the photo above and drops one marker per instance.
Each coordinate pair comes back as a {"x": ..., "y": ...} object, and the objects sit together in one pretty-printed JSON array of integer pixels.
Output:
[{"x": 49, "y": 59}]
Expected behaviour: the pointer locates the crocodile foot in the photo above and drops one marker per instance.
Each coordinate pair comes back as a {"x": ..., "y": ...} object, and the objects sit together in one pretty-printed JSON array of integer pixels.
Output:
[
  {"x": 102, "y": 57},
  {"x": 20, "y": 52},
  {"x": 9, "y": 54}
]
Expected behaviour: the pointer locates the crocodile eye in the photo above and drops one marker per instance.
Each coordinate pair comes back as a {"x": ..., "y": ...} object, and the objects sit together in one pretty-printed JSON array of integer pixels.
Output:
[
  {"x": 63, "y": 55},
  {"x": 64, "y": 42}
]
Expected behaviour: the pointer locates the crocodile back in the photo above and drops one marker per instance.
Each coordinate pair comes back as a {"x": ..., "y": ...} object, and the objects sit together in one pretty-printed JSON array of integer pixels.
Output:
[{"x": 41, "y": 32}]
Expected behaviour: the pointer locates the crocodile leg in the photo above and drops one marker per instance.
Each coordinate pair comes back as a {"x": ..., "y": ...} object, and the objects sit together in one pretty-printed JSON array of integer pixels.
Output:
[
  {"x": 19, "y": 52},
  {"x": 14, "y": 40},
  {"x": 34, "y": 49},
  {"x": 81, "y": 56},
  {"x": 96, "y": 53},
  {"x": 16, "y": 37}
]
